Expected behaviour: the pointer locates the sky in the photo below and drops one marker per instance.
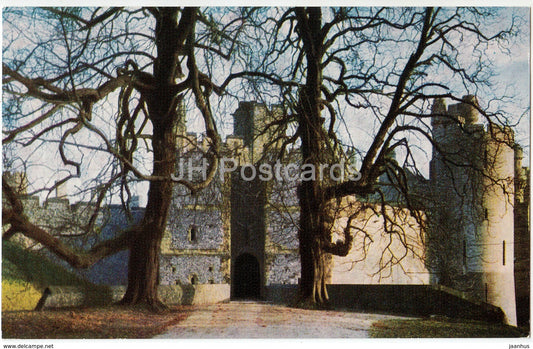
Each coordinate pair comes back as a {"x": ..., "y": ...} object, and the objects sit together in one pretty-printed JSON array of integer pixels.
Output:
[{"x": 514, "y": 75}]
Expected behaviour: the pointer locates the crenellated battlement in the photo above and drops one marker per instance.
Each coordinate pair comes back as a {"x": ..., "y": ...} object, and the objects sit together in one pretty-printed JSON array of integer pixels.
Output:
[{"x": 464, "y": 113}]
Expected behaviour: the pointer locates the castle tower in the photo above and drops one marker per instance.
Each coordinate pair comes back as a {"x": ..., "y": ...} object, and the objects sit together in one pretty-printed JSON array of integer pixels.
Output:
[
  {"x": 472, "y": 173},
  {"x": 252, "y": 122},
  {"x": 248, "y": 201},
  {"x": 498, "y": 234},
  {"x": 264, "y": 244}
]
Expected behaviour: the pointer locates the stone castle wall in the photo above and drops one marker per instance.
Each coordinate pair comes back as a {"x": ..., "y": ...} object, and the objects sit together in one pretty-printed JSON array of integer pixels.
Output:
[
  {"x": 230, "y": 217},
  {"x": 377, "y": 256},
  {"x": 261, "y": 219},
  {"x": 64, "y": 220},
  {"x": 470, "y": 244}
]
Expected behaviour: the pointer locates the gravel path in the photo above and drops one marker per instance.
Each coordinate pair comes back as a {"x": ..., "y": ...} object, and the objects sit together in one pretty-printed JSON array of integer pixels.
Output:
[{"x": 263, "y": 320}]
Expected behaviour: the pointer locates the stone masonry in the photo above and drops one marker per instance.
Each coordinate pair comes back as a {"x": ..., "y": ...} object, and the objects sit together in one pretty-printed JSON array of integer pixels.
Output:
[{"x": 245, "y": 233}]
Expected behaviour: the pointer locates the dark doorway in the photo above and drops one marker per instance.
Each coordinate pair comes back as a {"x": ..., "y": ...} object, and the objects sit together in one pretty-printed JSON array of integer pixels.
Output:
[{"x": 246, "y": 278}]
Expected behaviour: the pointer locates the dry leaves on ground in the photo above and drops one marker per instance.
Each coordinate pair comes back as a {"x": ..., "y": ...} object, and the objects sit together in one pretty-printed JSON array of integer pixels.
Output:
[{"x": 109, "y": 322}]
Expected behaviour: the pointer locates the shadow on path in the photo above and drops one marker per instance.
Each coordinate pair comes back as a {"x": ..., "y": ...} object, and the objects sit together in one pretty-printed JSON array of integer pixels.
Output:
[{"x": 263, "y": 320}]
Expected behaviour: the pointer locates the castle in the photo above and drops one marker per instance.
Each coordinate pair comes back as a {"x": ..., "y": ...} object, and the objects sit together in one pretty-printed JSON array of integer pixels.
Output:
[{"x": 243, "y": 233}]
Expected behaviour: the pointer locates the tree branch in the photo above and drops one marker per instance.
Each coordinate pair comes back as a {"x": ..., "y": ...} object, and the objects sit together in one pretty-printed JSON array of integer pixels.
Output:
[{"x": 20, "y": 224}]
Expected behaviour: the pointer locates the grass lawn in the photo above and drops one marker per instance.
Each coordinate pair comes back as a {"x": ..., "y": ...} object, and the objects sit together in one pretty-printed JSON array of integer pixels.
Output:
[
  {"x": 25, "y": 274},
  {"x": 443, "y": 328}
]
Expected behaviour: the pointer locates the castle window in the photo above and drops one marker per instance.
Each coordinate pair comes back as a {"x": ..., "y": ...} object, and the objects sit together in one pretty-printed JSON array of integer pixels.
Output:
[
  {"x": 193, "y": 233},
  {"x": 464, "y": 253},
  {"x": 486, "y": 213},
  {"x": 210, "y": 269},
  {"x": 193, "y": 279},
  {"x": 503, "y": 252},
  {"x": 173, "y": 269}
]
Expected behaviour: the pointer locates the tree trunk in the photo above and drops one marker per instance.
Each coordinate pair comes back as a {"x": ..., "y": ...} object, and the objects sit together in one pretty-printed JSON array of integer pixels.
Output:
[
  {"x": 143, "y": 268},
  {"x": 314, "y": 260},
  {"x": 143, "y": 272}
]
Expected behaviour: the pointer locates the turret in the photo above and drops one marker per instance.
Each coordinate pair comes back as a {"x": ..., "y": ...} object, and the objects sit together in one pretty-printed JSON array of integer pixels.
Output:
[
  {"x": 439, "y": 112},
  {"x": 498, "y": 233},
  {"x": 472, "y": 178},
  {"x": 470, "y": 111},
  {"x": 251, "y": 122}
]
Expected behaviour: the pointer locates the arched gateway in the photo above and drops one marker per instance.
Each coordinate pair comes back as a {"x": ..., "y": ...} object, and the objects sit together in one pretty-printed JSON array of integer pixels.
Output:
[{"x": 246, "y": 278}]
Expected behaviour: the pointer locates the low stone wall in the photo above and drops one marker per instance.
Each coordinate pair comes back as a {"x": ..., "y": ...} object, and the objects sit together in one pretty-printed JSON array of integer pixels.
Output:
[
  {"x": 194, "y": 294},
  {"x": 281, "y": 294},
  {"x": 414, "y": 300},
  {"x": 418, "y": 300},
  {"x": 73, "y": 296},
  {"x": 67, "y": 296}
]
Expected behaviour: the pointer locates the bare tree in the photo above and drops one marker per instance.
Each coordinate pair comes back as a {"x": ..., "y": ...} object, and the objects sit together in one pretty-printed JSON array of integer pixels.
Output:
[
  {"x": 330, "y": 68},
  {"x": 104, "y": 86},
  {"x": 383, "y": 69}
]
